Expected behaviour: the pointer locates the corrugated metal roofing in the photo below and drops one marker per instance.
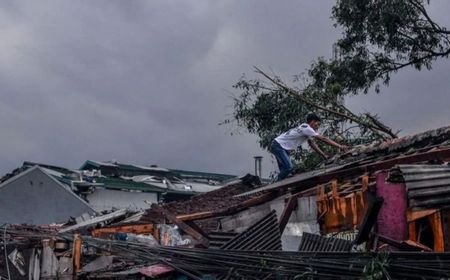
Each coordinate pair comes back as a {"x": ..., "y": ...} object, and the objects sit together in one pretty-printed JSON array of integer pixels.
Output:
[
  {"x": 316, "y": 243},
  {"x": 123, "y": 168},
  {"x": 122, "y": 184},
  {"x": 217, "y": 239},
  {"x": 426, "y": 185},
  {"x": 263, "y": 235},
  {"x": 296, "y": 178},
  {"x": 99, "y": 163},
  {"x": 439, "y": 136},
  {"x": 361, "y": 156}
]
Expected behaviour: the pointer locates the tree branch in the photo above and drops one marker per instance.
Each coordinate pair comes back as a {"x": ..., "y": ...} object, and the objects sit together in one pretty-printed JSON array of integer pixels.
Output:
[
  {"x": 434, "y": 25},
  {"x": 296, "y": 94}
]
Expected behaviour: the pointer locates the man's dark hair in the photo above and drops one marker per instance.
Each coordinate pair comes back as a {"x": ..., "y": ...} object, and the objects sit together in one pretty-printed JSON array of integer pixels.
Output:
[{"x": 312, "y": 117}]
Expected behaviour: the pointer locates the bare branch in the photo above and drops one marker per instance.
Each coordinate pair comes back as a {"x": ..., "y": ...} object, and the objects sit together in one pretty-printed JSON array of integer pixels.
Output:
[{"x": 422, "y": 9}]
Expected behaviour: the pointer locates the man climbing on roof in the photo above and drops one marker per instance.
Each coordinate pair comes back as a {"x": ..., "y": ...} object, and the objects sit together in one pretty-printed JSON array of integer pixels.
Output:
[{"x": 288, "y": 142}]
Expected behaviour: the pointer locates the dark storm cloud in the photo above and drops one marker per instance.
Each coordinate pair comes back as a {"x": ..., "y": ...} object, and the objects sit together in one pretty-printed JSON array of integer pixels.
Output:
[{"x": 148, "y": 81}]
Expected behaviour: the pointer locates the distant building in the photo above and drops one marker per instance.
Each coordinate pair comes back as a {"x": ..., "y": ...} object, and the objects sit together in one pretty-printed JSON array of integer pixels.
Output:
[
  {"x": 164, "y": 184},
  {"x": 111, "y": 185},
  {"x": 36, "y": 197}
]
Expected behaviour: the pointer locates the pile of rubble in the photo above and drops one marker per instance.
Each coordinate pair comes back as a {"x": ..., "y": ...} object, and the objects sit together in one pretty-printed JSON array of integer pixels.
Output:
[{"x": 379, "y": 212}]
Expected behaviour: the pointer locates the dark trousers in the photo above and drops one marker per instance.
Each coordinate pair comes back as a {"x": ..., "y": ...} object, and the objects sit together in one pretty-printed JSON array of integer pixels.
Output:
[{"x": 284, "y": 161}]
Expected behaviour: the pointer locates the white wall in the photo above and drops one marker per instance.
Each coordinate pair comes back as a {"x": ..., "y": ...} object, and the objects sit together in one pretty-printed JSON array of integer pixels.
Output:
[
  {"x": 104, "y": 199},
  {"x": 35, "y": 198},
  {"x": 303, "y": 219}
]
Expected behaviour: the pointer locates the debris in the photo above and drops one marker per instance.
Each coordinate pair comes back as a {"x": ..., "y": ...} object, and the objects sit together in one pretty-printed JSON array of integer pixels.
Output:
[
  {"x": 50, "y": 264},
  {"x": 427, "y": 186},
  {"x": 142, "y": 238},
  {"x": 156, "y": 270},
  {"x": 101, "y": 263},
  {"x": 235, "y": 231},
  {"x": 263, "y": 235},
  {"x": 18, "y": 261},
  {"x": 95, "y": 221},
  {"x": 186, "y": 228},
  {"x": 370, "y": 218},
  {"x": 317, "y": 243}
]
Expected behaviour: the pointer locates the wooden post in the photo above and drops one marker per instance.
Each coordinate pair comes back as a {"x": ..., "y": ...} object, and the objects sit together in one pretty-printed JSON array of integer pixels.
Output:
[
  {"x": 76, "y": 253},
  {"x": 334, "y": 189},
  {"x": 290, "y": 206},
  {"x": 436, "y": 224},
  {"x": 365, "y": 183},
  {"x": 185, "y": 227}
]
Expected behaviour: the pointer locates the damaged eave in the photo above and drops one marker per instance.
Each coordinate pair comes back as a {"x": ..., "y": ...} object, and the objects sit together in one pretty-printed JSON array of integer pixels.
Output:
[{"x": 310, "y": 179}]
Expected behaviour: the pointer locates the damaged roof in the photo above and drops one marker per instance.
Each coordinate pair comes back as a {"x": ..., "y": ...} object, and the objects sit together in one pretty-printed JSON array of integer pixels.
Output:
[
  {"x": 146, "y": 181},
  {"x": 433, "y": 145},
  {"x": 405, "y": 145},
  {"x": 126, "y": 169},
  {"x": 216, "y": 200},
  {"x": 427, "y": 186}
]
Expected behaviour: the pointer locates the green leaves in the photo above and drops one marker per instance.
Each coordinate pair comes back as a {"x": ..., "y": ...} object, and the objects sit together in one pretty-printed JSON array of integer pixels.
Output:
[
  {"x": 379, "y": 38},
  {"x": 376, "y": 269},
  {"x": 268, "y": 110}
]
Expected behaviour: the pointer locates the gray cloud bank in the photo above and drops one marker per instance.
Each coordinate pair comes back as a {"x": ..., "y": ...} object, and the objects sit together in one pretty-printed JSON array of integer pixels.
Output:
[{"x": 148, "y": 81}]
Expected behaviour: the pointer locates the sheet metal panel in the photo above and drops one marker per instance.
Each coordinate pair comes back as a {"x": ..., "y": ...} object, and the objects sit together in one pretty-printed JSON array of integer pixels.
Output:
[
  {"x": 263, "y": 235},
  {"x": 427, "y": 185},
  {"x": 316, "y": 243}
]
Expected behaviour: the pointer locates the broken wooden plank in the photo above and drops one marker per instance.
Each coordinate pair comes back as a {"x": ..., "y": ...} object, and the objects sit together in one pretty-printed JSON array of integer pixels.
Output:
[
  {"x": 185, "y": 227},
  {"x": 137, "y": 229},
  {"x": 193, "y": 225},
  {"x": 197, "y": 216},
  {"x": 415, "y": 215},
  {"x": 407, "y": 245},
  {"x": 76, "y": 253}
]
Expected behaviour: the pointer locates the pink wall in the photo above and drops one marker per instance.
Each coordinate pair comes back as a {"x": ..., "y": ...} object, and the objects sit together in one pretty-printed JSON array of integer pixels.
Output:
[{"x": 391, "y": 220}]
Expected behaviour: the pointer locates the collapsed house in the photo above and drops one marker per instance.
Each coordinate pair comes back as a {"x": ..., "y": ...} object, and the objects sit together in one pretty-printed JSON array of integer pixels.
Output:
[
  {"x": 400, "y": 188},
  {"x": 335, "y": 222}
]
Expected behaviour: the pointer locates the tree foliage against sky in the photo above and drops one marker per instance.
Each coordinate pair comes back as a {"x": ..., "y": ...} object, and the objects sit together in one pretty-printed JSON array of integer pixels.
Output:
[{"x": 379, "y": 38}]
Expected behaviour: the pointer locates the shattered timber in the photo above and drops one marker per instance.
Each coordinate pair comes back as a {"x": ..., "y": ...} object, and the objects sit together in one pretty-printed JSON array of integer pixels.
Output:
[{"x": 379, "y": 211}]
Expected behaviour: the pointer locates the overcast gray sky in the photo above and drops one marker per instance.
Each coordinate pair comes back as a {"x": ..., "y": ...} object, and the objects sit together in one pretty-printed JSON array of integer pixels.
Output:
[{"x": 148, "y": 81}]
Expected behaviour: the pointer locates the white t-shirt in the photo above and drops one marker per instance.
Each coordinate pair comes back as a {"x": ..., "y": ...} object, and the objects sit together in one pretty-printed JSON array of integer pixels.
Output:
[{"x": 296, "y": 136}]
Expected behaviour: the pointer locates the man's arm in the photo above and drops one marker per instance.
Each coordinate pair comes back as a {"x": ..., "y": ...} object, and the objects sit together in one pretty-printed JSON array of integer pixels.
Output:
[
  {"x": 331, "y": 142},
  {"x": 316, "y": 148}
]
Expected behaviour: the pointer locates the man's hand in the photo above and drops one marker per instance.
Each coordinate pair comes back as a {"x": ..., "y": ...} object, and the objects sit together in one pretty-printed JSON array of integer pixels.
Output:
[{"x": 332, "y": 143}]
